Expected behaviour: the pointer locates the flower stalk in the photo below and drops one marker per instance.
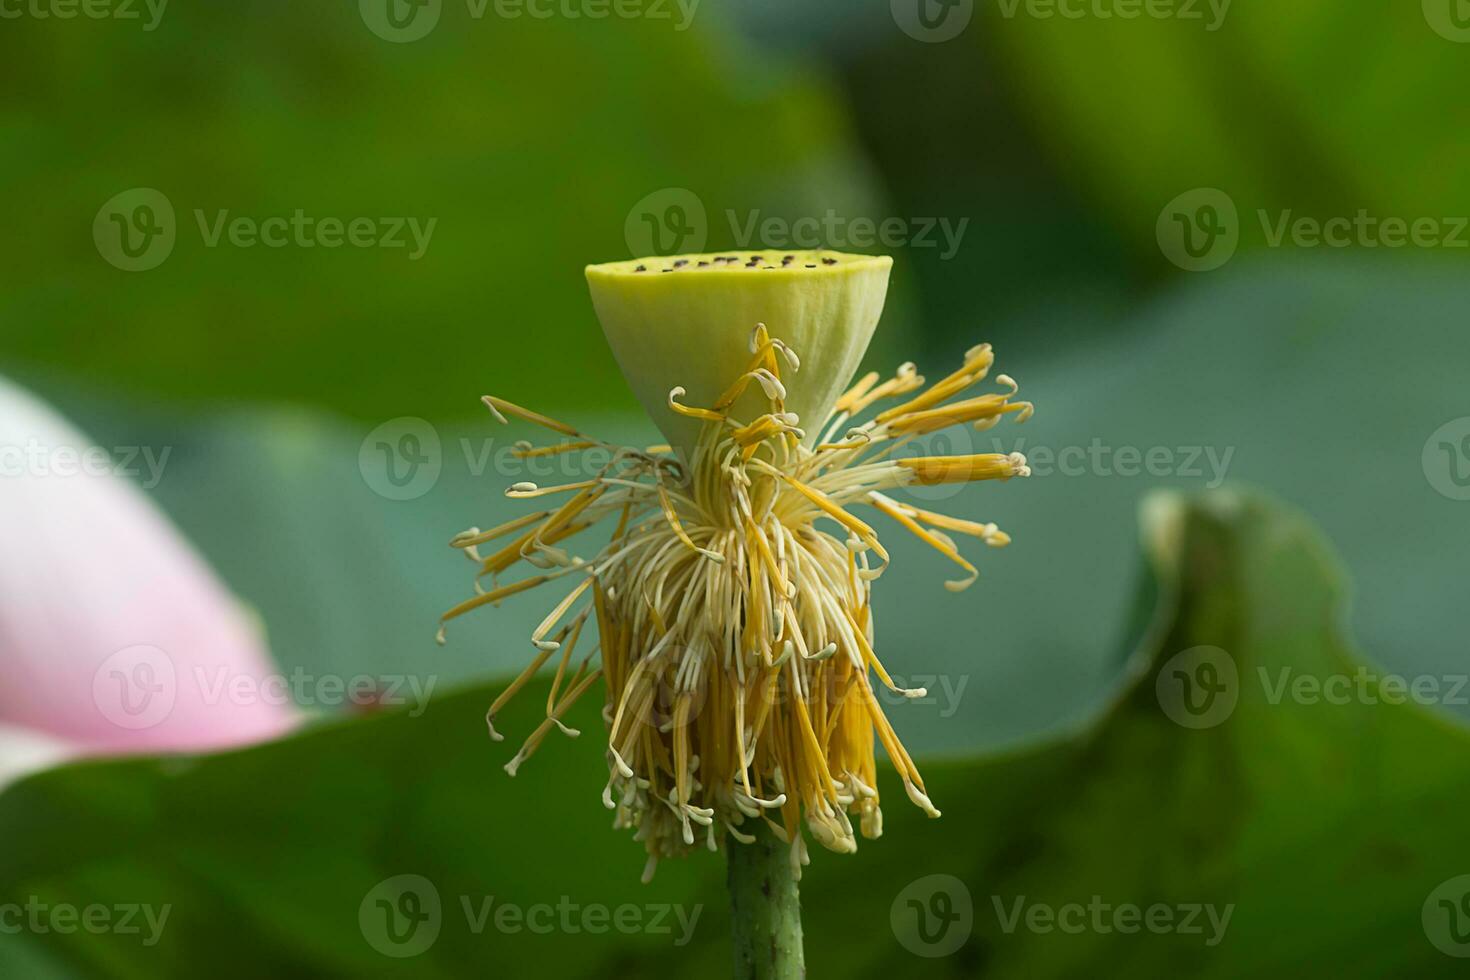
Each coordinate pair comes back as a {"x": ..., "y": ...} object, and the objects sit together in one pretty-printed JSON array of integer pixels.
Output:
[{"x": 765, "y": 911}]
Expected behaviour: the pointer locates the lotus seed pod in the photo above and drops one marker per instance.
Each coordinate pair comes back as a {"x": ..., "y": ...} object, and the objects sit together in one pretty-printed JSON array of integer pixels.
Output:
[{"x": 686, "y": 321}]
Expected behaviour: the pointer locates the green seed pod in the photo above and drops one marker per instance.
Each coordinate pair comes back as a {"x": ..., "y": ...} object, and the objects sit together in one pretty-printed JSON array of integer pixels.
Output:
[{"x": 686, "y": 321}]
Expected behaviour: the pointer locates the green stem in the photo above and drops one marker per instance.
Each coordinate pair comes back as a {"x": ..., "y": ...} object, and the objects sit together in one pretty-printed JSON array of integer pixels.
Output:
[{"x": 765, "y": 909}]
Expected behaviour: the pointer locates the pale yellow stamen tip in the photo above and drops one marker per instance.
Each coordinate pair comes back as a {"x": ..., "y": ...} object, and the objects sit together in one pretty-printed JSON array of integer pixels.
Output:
[{"x": 770, "y": 384}]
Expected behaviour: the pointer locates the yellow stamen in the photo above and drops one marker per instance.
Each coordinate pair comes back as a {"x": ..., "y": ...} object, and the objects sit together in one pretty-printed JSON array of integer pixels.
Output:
[
  {"x": 499, "y": 406},
  {"x": 965, "y": 469}
]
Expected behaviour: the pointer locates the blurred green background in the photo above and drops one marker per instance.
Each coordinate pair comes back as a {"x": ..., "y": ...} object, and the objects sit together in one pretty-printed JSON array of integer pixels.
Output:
[{"x": 1129, "y": 202}]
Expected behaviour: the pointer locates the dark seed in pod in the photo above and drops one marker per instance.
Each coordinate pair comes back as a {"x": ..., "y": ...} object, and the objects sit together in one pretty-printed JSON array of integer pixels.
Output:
[
  {"x": 757, "y": 258},
  {"x": 681, "y": 263},
  {"x": 703, "y": 264},
  {"x": 811, "y": 267},
  {"x": 829, "y": 261},
  {"x": 641, "y": 268}
]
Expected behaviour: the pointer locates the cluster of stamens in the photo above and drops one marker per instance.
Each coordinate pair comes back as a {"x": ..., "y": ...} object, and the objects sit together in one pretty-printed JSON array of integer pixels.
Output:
[{"x": 735, "y": 637}]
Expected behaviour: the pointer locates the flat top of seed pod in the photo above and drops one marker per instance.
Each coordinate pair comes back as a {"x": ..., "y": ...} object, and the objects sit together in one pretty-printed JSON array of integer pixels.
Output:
[{"x": 804, "y": 263}]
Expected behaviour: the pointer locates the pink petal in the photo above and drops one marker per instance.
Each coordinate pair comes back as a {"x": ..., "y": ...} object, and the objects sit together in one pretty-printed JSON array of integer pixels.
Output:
[{"x": 114, "y": 633}]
